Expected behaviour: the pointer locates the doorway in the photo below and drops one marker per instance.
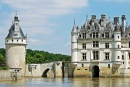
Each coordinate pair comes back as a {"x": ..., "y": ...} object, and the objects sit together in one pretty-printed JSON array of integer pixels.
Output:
[{"x": 95, "y": 71}]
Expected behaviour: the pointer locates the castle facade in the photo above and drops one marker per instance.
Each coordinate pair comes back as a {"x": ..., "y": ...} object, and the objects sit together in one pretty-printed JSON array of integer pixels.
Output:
[{"x": 101, "y": 47}]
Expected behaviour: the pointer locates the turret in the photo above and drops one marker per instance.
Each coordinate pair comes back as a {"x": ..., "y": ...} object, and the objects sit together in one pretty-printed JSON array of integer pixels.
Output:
[
  {"x": 117, "y": 43},
  {"x": 123, "y": 23},
  {"x": 74, "y": 35},
  {"x": 16, "y": 43}
]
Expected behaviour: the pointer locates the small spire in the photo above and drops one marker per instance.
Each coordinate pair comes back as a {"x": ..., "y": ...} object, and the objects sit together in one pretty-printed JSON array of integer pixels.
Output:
[
  {"x": 109, "y": 17},
  {"x": 74, "y": 21},
  {"x": 86, "y": 17}
]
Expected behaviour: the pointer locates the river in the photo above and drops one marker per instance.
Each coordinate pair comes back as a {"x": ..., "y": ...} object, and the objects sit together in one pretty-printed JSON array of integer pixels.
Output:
[{"x": 68, "y": 82}]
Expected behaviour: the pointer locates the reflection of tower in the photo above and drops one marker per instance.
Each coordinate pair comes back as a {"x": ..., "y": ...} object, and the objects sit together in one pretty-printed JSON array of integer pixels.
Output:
[{"x": 16, "y": 43}]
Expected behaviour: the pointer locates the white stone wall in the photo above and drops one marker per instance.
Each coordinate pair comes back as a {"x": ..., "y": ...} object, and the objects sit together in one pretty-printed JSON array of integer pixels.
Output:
[{"x": 15, "y": 56}]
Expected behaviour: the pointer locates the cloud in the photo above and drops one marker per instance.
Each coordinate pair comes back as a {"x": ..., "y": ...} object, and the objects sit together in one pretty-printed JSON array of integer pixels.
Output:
[
  {"x": 38, "y": 31},
  {"x": 37, "y": 42},
  {"x": 45, "y": 7},
  {"x": 37, "y": 14},
  {"x": 37, "y": 17}
]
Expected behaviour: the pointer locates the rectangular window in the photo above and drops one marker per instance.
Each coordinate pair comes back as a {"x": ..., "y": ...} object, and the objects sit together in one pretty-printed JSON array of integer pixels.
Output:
[
  {"x": 122, "y": 57},
  {"x": 106, "y": 45},
  {"x": 107, "y": 56},
  {"x": 95, "y": 44},
  {"x": 106, "y": 34},
  {"x": 84, "y": 35},
  {"x": 84, "y": 56},
  {"x": 95, "y": 55},
  {"x": 108, "y": 65},
  {"x": 84, "y": 46},
  {"x": 95, "y": 34},
  {"x": 118, "y": 57}
]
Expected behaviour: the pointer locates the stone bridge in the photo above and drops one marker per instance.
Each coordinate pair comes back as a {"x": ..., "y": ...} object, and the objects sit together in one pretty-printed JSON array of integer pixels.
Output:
[{"x": 52, "y": 69}]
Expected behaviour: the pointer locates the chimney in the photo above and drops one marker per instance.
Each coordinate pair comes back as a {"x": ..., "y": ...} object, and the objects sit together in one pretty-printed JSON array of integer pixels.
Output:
[
  {"x": 116, "y": 20},
  {"x": 123, "y": 23},
  {"x": 103, "y": 17},
  {"x": 93, "y": 17}
]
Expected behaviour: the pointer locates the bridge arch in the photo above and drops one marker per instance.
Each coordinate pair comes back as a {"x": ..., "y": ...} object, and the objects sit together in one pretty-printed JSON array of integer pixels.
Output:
[{"x": 44, "y": 74}]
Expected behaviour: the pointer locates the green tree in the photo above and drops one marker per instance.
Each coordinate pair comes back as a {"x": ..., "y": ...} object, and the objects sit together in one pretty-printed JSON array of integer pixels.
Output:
[{"x": 2, "y": 59}]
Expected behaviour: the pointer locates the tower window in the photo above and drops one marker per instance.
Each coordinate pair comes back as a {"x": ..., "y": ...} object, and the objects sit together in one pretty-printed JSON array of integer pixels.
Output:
[
  {"x": 17, "y": 40},
  {"x": 106, "y": 45},
  {"x": 118, "y": 57},
  {"x": 7, "y": 40},
  {"x": 12, "y": 40},
  {"x": 84, "y": 46},
  {"x": 107, "y": 56},
  {"x": 95, "y": 44},
  {"x": 84, "y": 56},
  {"x": 118, "y": 37},
  {"x": 22, "y": 40},
  {"x": 118, "y": 46},
  {"x": 95, "y": 55}
]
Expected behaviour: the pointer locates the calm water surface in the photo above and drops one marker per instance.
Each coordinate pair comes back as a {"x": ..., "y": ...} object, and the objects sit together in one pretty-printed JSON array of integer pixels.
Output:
[{"x": 68, "y": 82}]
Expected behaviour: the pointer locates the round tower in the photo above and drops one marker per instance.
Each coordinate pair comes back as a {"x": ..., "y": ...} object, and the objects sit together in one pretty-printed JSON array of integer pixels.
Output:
[
  {"x": 117, "y": 43},
  {"x": 15, "y": 43},
  {"x": 74, "y": 47}
]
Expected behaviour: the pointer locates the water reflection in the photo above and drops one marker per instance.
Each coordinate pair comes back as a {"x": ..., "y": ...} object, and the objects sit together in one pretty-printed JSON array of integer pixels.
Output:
[{"x": 68, "y": 82}]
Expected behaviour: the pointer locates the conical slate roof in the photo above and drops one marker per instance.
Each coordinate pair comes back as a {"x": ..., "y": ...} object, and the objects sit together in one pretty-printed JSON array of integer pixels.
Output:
[{"x": 15, "y": 34}]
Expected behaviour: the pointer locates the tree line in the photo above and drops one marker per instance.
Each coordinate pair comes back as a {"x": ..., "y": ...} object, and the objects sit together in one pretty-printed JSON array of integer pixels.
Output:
[{"x": 36, "y": 56}]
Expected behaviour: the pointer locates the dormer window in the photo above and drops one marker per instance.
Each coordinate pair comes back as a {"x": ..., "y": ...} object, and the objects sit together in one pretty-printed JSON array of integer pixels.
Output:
[
  {"x": 106, "y": 34},
  {"x": 95, "y": 34},
  {"x": 84, "y": 35}
]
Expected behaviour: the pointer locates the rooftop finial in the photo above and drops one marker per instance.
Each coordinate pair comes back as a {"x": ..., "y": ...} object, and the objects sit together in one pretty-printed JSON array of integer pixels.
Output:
[{"x": 15, "y": 13}]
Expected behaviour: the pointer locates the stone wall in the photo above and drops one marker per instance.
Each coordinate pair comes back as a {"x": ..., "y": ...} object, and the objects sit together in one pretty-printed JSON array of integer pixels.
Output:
[
  {"x": 105, "y": 70},
  {"x": 9, "y": 75}
]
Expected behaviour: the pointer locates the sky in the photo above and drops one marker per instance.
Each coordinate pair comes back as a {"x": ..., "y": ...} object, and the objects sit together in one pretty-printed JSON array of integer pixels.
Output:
[{"x": 48, "y": 23}]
